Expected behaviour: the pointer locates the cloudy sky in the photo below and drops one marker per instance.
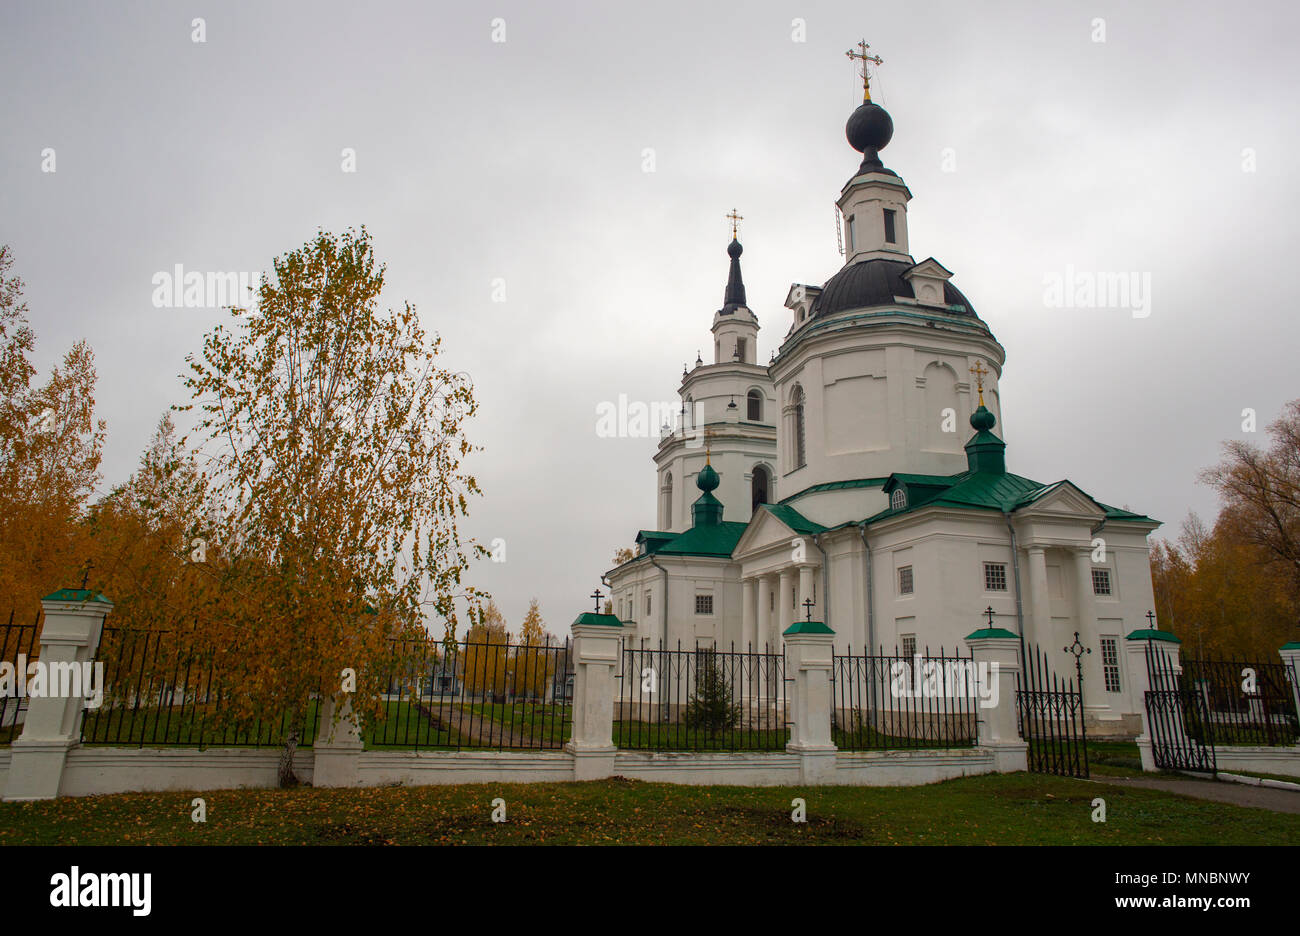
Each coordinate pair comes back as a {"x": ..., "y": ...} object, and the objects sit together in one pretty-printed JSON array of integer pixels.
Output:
[{"x": 1031, "y": 148}]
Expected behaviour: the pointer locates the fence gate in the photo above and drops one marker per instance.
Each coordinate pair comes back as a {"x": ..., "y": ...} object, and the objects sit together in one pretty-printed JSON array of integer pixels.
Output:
[
  {"x": 1181, "y": 734},
  {"x": 1051, "y": 718}
]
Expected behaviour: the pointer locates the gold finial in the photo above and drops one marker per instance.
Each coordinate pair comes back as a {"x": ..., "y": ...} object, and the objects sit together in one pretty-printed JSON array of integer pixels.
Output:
[
  {"x": 979, "y": 370},
  {"x": 735, "y": 219},
  {"x": 862, "y": 55}
]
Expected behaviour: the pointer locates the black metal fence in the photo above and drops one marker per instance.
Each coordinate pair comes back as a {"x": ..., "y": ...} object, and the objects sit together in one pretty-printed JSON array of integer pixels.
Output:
[
  {"x": 20, "y": 644},
  {"x": 1181, "y": 735},
  {"x": 1245, "y": 702},
  {"x": 1051, "y": 715},
  {"x": 476, "y": 694},
  {"x": 891, "y": 701},
  {"x": 159, "y": 692},
  {"x": 706, "y": 699}
]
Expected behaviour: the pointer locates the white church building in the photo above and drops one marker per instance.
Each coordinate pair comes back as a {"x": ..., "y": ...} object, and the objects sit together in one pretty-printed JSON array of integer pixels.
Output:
[{"x": 863, "y": 469}]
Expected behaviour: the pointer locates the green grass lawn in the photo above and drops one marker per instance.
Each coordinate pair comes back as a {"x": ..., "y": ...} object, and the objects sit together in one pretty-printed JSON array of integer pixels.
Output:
[{"x": 1003, "y": 809}]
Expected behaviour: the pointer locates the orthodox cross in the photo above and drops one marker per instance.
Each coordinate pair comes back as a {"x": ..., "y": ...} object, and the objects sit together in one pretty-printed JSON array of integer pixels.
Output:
[
  {"x": 989, "y": 612},
  {"x": 1078, "y": 649},
  {"x": 862, "y": 55},
  {"x": 980, "y": 372},
  {"x": 1151, "y": 620},
  {"x": 597, "y": 596},
  {"x": 735, "y": 220},
  {"x": 86, "y": 575},
  {"x": 808, "y": 606}
]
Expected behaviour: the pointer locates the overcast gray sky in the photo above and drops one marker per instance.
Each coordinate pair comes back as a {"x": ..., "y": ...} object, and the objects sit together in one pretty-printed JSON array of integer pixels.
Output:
[{"x": 524, "y": 160}]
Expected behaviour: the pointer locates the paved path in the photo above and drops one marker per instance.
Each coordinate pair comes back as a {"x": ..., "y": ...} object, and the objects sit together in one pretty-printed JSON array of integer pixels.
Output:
[{"x": 1238, "y": 794}]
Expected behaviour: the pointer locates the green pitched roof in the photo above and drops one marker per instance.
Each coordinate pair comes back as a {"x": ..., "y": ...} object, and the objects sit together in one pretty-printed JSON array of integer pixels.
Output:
[
  {"x": 598, "y": 619},
  {"x": 793, "y": 519},
  {"x": 1150, "y": 633},
  {"x": 836, "y": 486},
  {"x": 715, "y": 539},
  {"x": 76, "y": 594},
  {"x": 807, "y": 627}
]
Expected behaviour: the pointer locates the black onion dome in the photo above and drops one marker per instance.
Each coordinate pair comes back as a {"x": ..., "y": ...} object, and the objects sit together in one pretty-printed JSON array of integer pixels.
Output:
[
  {"x": 876, "y": 282},
  {"x": 869, "y": 129},
  {"x": 734, "y": 250}
]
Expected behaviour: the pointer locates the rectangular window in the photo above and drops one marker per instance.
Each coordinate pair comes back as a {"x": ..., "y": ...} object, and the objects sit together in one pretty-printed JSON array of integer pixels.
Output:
[
  {"x": 740, "y": 349},
  {"x": 1110, "y": 663},
  {"x": 703, "y": 604},
  {"x": 647, "y": 604},
  {"x": 905, "y": 580},
  {"x": 849, "y": 228},
  {"x": 909, "y": 645},
  {"x": 1101, "y": 581},
  {"x": 995, "y": 576},
  {"x": 889, "y": 226}
]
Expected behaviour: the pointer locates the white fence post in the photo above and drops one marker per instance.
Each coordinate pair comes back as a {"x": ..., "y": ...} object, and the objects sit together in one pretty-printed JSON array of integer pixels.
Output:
[
  {"x": 337, "y": 747},
  {"x": 596, "y": 646},
  {"x": 1290, "y": 654},
  {"x": 74, "y": 619},
  {"x": 995, "y": 655},
  {"x": 809, "y": 654},
  {"x": 1139, "y": 678}
]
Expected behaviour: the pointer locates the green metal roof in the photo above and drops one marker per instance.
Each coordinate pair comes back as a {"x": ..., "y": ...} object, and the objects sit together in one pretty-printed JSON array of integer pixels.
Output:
[
  {"x": 715, "y": 539},
  {"x": 836, "y": 486},
  {"x": 793, "y": 519},
  {"x": 986, "y": 632},
  {"x": 600, "y": 620},
  {"x": 1115, "y": 513},
  {"x": 807, "y": 627},
  {"x": 1149, "y": 633},
  {"x": 76, "y": 594}
]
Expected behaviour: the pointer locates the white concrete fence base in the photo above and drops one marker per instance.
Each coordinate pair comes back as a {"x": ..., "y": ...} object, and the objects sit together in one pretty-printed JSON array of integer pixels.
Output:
[{"x": 47, "y": 760}]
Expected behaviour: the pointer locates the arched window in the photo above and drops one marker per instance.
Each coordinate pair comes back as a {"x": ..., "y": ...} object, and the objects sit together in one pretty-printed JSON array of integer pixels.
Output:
[
  {"x": 754, "y": 410},
  {"x": 759, "y": 487},
  {"x": 898, "y": 500},
  {"x": 668, "y": 500},
  {"x": 800, "y": 448}
]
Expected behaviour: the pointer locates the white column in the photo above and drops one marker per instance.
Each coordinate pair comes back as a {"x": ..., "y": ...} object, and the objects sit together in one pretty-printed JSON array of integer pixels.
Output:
[
  {"x": 1085, "y": 617},
  {"x": 785, "y": 601},
  {"x": 767, "y": 610},
  {"x": 1040, "y": 606},
  {"x": 805, "y": 592},
  {"x": 748, "y": 614}
]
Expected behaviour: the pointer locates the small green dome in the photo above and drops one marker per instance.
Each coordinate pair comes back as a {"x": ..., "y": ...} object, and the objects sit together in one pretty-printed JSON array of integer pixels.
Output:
[
  {"x": 982, "y": 419},
  {"x": 708, "y": 479}
]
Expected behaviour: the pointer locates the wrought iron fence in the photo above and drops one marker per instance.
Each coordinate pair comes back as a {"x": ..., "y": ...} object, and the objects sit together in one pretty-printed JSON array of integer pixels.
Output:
[
  {"x": 706, "y": 699},
  {"x": 890, "y": 701},
  {"x": 159, "y": 692},
  {"x": 1245, "y": 702},
  {"x": 1181, "y": 735},
  {"x": 1051, "y": 715},
  {"x": 475, "y": 694},
  {"x": 20, "y": 644}
]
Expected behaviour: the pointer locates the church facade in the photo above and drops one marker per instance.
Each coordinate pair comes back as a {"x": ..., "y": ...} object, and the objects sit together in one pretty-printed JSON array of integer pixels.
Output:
[{"x": 861, "y": 476}]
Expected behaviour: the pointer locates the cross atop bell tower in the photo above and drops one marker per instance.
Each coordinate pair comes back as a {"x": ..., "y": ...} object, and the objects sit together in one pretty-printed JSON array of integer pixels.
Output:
[{"x": 862, "y": 56}]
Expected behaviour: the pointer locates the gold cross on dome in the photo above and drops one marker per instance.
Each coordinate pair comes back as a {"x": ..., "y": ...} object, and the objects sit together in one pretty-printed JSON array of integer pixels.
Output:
[
  {"x": 980, "y": 371},
  {"x": 862, "y": 55},
  {"x": 735, "y": 220}
]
